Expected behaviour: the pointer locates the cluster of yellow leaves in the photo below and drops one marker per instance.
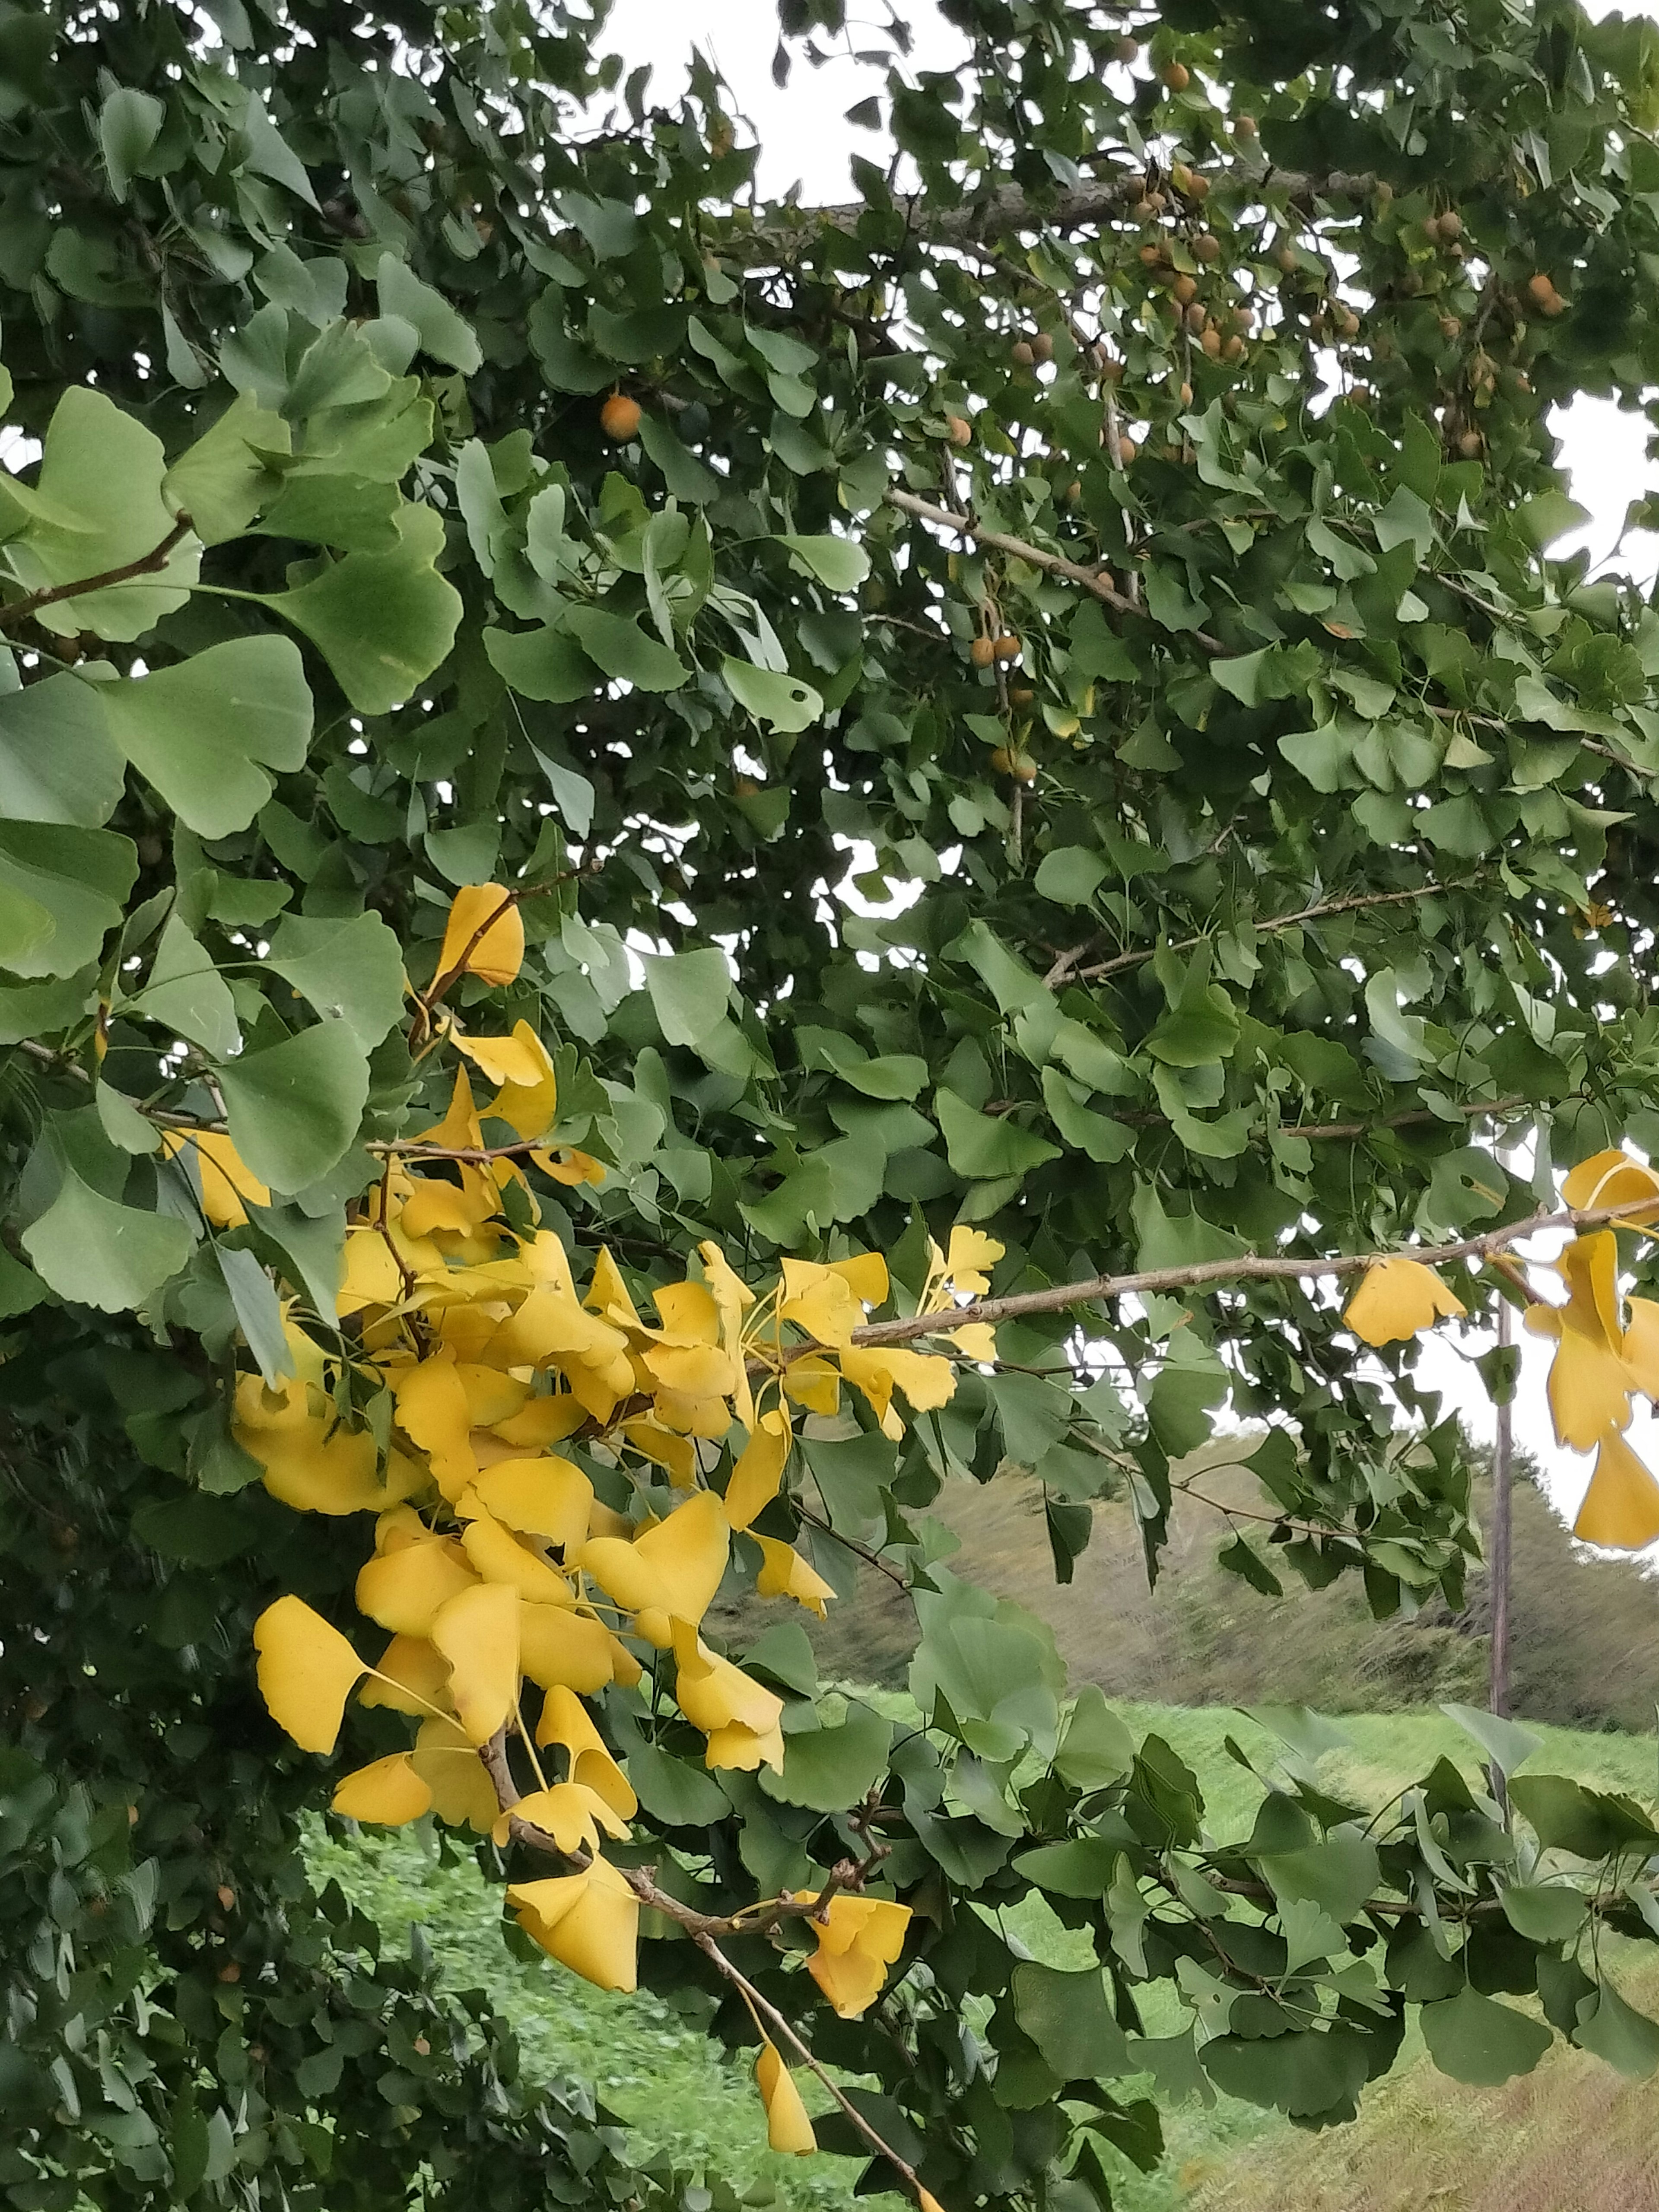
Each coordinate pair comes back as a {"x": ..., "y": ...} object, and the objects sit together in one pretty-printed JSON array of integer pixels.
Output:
[
  {"x": 1604, "y": 1356},
  {"x": 498, "y": 1573},
  {"x": 1607, "y": 1349}
]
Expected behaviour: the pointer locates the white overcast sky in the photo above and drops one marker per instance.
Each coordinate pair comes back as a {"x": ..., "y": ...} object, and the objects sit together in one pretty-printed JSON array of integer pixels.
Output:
[{"x": 806, "y": 142}]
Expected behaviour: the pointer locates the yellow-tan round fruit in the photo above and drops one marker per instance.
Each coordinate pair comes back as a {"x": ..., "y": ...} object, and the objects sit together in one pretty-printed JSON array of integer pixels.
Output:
[
  {"x": 1006, "y": 648},
  {"x": 1176, "y": 75},
  {"x": 1471, "y": 445},
  {"x": 1211, "y": 342},
  {"x": 1185, "y": 395},
  {"x": 982, "y": 653},
  {"x": 1021, "y": 354},
  {"x": 1206, "y": 246},
  {"x": 1043, "y": 346},
  {"x": 1540, "y": 291},
  {"x": 1021, "y": 696},
  {"x": 958, "y": 430},
  {"x": 1020, "y": 766},
  {"x": 1184, "y": 289},
  {"x": 619, "y": 417},
  {"x": 1125, "y": 48},
  {"x": 1244, "y": 127}
]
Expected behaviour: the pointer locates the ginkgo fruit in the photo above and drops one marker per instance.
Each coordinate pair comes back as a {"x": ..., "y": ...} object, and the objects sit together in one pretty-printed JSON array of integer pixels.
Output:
[{"x": 619, "y": 417}]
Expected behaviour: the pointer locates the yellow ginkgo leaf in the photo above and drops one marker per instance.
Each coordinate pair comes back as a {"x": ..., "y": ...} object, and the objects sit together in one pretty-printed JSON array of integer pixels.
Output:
[
  {"x": 404, "y": 1590},
  {"x": 450, "y": 1767},
  {"x": 758, "y": 1473},
  {"x": 971, "y": 1259},
  {"x": 859, "y": 1939},
  {"x": 741, "y": 1718},
  {"x": 788, "y": 2127},
  {"x": 1641, "y": 1346},
  {"x": 478, "y": 1633},
  {"x": 565, "y": 1722},
  {"x": 311, "y": 1461},
  {"x": 1396, "y": 1298},
  {"x": 546, "y": 1498},
  {"x": 1621, "y": 1510},
  {"x": 976, "y": 1338},
  {"x": 556, "y": 1646},
  {"x": 927, "y": 1380},
  {"x": 483, "y": 936},
  {"x": 541, "y": 1421},
  {"x": 528, "y": 1100},
  {"x": 519, "y": 1059},
  {"x": 437, "y": 1208},
  {"x": 1613, "y": 1178},
  {"x": 573, "y": 1815},
  {"x": 306, "y": 1671},
  {"x": 814, "y": 1383},
  {"x": 1589, "y": 1268},
  {"x": 784, "y": 1573},
  {"x": 671, "y": 1450},
  {"x": 433, "y": 1415},
  {"x": 927, "y": 2202},
  {"x": 676, "y": 1567},
  {"x": 820, "y": 1301},
  {"x": 499, "y": 1555},
  {"x": 589, "y": 1921},
  {"x": 411, "y": 1675},
  {"x": 387, "y": 1793},
  {"x": 1588, "y": 1387},
  {"x": 226, "y": 1180},
  {"x": 371, "y": 1276}
]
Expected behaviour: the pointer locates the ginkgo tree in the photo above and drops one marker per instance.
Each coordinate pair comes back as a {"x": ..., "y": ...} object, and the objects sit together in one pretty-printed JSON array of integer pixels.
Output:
[{"x": 672, "y": 869}]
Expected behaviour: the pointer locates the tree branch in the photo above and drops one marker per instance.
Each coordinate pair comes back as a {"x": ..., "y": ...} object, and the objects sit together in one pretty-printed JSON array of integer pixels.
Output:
[
  {"x": 1248, "y": 1268},
  {"x": 1010, "y": 210},
  {"x": 767, "y": 2011},
  {"x": 23, "y": 610},
  {"x": 1095, "y": 582},
  {"x": 1120, "y": 961}
]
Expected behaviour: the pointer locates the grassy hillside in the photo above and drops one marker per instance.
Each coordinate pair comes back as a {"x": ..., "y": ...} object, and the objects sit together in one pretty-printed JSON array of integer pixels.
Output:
[
  {"x": 1421, "y": 2141},
  {"x": 1586, "y": 1631}
]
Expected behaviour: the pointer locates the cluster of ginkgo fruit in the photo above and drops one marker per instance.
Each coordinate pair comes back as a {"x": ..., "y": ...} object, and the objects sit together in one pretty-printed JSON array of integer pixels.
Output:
[
  {"x": 1607, "y": 1349},
  {"x": 497, "y": 1571}
]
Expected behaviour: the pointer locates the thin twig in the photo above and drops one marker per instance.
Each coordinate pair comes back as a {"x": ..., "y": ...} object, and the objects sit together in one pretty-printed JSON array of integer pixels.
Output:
[
  {"x": 23, "y": 610},
  {"x": 1120, "y": 961},
  {"x": 1097, "y": 581},
  {"x": 781, "y": 2028}
]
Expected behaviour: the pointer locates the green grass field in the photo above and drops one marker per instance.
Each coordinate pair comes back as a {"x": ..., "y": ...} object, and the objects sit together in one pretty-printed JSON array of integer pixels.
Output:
[{"x": 1571, "y": 2137}]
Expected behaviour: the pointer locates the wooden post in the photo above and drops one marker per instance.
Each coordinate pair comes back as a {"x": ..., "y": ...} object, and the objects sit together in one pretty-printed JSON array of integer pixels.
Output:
[{"x": 1497, "y": 1560}]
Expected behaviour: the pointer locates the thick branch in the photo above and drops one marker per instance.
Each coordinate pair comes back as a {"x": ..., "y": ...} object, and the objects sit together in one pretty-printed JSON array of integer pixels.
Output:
[
  {"x": 1010, "y": 210},
  {"x": 23, "y": 610},
  {"x": 1247, "y": 1268}
]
